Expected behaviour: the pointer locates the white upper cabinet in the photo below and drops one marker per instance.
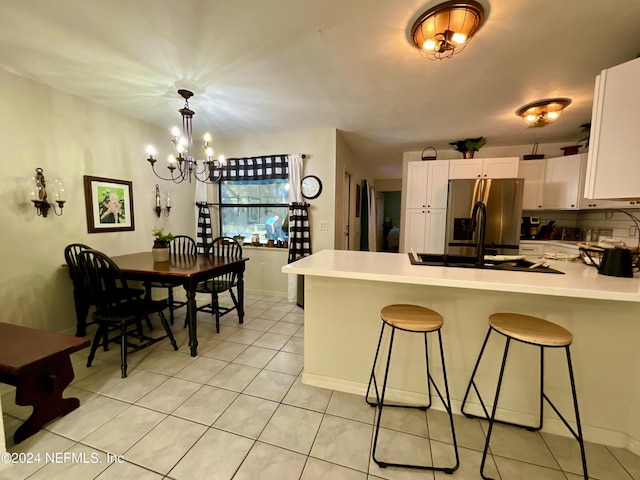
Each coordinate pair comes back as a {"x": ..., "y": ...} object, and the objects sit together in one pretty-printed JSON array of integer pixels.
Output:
[
  {"x": 533, "y": 173},
  {"x": 562, "y": 179},
  {"x": 613, "y": 166},
  {"x": 506, "y": 167},
  {"x": 564, "y": 184},
  {"x": 427, "y": 184}
]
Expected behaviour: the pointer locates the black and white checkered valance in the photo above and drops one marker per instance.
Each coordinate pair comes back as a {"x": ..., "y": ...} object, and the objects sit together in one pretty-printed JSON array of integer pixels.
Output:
[{"x": 267, "y": 167}]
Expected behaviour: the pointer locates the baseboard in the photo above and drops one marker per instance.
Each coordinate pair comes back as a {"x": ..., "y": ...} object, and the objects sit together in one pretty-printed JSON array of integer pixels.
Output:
[{"x": 552, "y": 424}]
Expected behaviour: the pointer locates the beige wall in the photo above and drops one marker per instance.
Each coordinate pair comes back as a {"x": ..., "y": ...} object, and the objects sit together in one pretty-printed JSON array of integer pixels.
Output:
[{"x": 69, "y": 137}]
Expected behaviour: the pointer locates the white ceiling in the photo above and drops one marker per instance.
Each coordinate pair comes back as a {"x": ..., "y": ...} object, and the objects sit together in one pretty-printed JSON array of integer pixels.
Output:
[{"x": 260, "y": 66}]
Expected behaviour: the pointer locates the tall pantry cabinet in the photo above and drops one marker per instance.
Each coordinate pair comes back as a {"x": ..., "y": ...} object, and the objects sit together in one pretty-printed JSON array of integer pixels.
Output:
[{"x": 426, "y": 206}]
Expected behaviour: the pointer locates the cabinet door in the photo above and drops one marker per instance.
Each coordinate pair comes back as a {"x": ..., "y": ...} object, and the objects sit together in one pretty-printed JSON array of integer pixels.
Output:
[
  {"x": 435, "y": 230},
  {"x": 613, "y": 172},
  {"x": 562, "y": 181},
  {"x": 414, "y": 234},
  {"x": 506, "y": 167},
  {"x": 438, "y": 184},
  {"x": 466, "y": 168},
  {"x": 533, "y": 173},
  {"x": 417, "y": 175}
]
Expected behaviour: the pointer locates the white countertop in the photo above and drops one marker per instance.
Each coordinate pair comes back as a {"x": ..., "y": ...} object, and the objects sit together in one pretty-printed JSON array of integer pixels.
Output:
[{"x": 579, "y": 281}]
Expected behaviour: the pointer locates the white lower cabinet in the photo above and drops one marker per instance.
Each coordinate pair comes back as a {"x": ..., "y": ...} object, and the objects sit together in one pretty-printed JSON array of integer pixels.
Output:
[{"x": 426, "y": 229}]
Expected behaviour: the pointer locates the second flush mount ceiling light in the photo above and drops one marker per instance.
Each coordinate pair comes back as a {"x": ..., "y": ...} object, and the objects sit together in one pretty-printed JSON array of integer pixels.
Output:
[{"x": 542, "y": 112}]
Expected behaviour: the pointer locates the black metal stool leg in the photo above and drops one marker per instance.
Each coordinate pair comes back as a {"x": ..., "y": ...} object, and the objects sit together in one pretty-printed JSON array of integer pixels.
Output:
[
  {"x": 381, "y": 403},
  {"x": 472, "y": 382},
  {"x": 372, "y": 378},
  {"x": 493, "y": 411},
  {"x": 579, "y": 425},
  {"x": 430, "y": 382},
  {"x": 447, "y": 404}
]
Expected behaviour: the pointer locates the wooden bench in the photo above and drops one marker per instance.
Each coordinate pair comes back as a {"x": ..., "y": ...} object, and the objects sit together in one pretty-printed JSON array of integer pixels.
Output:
[{"x": 37, "y": 362}]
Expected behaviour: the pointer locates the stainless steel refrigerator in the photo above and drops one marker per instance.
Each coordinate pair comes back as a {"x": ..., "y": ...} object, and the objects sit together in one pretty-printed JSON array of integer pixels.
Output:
[{"x": 503, "y": 201}]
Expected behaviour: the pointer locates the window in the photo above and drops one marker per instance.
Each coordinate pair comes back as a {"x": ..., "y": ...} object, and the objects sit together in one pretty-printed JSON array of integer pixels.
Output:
[
  {"x": 255, "y": 206},
  {"x": 254, "y": 197}
]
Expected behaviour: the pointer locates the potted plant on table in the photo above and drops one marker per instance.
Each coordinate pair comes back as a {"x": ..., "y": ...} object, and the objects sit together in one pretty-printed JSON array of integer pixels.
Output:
[
  {"x": 468, "y": 146},
  {"x": 160, "y": 250}
]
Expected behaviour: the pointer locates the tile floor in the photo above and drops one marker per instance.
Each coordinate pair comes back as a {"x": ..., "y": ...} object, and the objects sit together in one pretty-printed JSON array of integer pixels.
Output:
[{"x": 239, "y": 410}]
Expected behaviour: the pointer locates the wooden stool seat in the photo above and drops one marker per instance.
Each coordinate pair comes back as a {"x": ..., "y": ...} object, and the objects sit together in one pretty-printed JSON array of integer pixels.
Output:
[
  {"x": 531, "y": 329},
  {"x": 412, "y": 318}
]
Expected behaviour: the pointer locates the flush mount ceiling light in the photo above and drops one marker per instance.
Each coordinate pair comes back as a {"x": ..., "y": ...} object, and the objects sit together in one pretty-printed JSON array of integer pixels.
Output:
[
  {"x": 542, "y": 112},
  {"x": 444, "y": 30}
]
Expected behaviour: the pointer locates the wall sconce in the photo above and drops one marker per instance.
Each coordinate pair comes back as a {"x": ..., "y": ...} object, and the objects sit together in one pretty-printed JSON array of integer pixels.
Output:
[
  {"x": 444, "y": 30},
  {"x": 39, "y": 194},
  {"x": 542, "y": 112},
  {"x": 159, "y": 208}
]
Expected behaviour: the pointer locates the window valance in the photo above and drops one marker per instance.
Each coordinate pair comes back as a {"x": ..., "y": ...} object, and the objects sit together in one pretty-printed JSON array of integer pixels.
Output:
[{"x": 266, "y": 167}]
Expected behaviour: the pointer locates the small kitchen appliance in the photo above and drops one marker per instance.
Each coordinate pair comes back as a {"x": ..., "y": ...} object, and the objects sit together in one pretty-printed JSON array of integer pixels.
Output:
[{"x": 529, "y": 227}]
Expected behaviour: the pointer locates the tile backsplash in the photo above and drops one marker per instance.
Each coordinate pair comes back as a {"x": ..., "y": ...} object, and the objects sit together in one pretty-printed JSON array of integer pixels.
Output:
[{"x": 624, "y": 228}]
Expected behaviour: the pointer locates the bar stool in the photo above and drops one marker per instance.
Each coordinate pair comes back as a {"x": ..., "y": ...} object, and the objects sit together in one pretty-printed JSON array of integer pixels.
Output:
[
  {"x": 413, "y": 319},
  {"x": 540, "y": 333}
]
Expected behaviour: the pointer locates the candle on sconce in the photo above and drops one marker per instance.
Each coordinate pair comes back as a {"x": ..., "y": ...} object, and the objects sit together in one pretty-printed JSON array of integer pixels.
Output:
[
  {"x": 168, "y": 199},
  {"x": 157, "y": 195}
]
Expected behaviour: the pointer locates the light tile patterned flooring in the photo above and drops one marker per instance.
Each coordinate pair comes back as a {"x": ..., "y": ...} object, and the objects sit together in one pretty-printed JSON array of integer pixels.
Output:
[{"x": 239, "y": 410}]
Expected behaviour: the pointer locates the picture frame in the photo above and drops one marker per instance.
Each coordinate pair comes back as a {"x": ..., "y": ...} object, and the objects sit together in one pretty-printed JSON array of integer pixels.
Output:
[{"x": 109, "y": 204}]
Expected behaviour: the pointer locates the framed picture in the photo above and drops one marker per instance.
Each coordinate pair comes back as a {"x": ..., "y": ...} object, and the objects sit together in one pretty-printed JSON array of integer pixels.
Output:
[{"x": 109, "y": 204}]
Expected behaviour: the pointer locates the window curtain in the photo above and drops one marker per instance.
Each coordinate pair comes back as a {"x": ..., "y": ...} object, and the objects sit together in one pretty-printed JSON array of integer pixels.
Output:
[
  {"x": 295, "y": 196},
  {"x": 368, "y": 230},
  {"x": 204, "y": 237},
  {"x": 372, "y": 231},
  {"x": 364, "y": 217},
  {"x": 299, "y": 231}
]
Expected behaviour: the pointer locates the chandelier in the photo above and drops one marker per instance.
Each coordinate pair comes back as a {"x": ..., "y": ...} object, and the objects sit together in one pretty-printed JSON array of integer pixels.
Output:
[
  {"x": 542, "y": 112},
  {"x": 182, "y": 164},
  {"x": 444, "y": 30}
]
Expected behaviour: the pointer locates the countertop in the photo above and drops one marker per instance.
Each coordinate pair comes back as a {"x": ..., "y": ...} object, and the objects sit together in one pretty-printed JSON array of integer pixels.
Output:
[{"x": 579, "y": 281}]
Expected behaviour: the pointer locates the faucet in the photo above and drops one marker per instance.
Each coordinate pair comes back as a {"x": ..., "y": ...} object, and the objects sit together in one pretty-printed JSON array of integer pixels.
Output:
[{"x": 481, "y": 225}]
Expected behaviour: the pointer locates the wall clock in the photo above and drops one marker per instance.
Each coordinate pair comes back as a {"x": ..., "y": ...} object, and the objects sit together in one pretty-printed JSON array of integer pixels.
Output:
[{"x": 311, "y": 187}]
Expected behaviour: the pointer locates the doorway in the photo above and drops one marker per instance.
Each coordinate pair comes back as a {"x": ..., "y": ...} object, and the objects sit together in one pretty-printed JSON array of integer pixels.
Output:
[{"x": 389, "y": 216}]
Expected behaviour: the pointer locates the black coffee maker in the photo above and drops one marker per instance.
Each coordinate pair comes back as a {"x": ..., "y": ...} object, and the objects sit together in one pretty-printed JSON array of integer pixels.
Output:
[{"x": 529, "y": 227}]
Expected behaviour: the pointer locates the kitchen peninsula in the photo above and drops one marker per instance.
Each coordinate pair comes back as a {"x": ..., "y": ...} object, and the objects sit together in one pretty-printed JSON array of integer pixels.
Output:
[{"x": 345, "y": 290}]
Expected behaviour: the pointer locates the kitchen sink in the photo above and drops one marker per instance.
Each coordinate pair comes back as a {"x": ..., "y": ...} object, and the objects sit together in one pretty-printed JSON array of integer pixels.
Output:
[{"x": 463, "y": 261}]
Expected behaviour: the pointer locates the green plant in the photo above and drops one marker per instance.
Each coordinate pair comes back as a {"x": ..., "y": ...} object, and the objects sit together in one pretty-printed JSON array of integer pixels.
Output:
[
  {"x": 161, "y": 239},
  {"x": 585, "y": 128},
  {"x": 468, "y": 144}
]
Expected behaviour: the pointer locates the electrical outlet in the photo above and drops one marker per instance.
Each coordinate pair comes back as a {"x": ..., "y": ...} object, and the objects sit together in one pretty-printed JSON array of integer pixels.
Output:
[
  {"x": 263, "y": 266},
  {"x": 324, "y": 225},
  {"x": 632, "y": 231}
]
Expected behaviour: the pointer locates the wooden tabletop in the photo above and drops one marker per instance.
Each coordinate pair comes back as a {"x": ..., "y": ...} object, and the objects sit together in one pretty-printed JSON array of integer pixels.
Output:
[
  {"x": 179, "y": 265},
  {"x": 23, "y": 348}
]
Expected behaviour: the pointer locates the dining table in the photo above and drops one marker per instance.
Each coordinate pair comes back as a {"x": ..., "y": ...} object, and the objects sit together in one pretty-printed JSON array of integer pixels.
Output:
[{"x": 188, "y": 271}]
